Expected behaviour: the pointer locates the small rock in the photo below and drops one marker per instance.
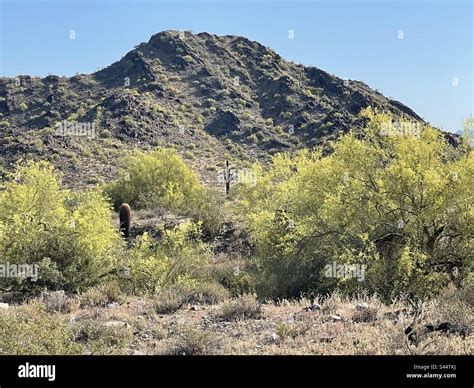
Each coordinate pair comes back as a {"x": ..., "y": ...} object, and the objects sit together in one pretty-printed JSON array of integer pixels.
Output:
[
  {"x": 194, "y": 308},
  {"x": 362, "y": 306},
  {"x": 275, "y": 337},
  {"x": 4, "y": 306},
  {"x": 115, "y": 324},
  {"x": 111, "y": 305},
  {"x": 313, "y": 307},
  {"x": 335, "y": 318}
]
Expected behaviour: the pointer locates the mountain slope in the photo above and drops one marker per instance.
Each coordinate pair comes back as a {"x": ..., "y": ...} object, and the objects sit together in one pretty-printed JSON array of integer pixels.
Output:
[{"x": 212, "y": 97}]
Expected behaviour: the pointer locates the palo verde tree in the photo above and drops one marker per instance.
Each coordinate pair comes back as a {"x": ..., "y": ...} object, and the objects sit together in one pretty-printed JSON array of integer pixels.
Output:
[
  {"x": 397, "y": 203},
  {"x": 68, "y": 235}
]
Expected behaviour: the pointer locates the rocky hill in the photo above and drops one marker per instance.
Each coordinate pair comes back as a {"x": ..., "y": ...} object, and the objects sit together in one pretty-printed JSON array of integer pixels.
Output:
[{"x": 212, "y": 97}]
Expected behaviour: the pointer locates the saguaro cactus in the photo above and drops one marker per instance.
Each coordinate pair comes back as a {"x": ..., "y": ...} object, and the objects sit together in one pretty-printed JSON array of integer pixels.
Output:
[
  {"x": 227, "y": 177},
  {"x": 125, "y": 215}
]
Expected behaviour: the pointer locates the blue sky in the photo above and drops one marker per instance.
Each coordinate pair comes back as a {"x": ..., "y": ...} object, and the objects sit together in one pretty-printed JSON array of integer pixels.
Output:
[{"x": 430, "y": 69}]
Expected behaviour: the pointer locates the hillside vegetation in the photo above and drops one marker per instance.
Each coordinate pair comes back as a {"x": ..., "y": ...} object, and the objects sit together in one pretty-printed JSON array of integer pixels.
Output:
[
  {"x": 398, "y": 207},
  {"x": 211, "y": 97}
]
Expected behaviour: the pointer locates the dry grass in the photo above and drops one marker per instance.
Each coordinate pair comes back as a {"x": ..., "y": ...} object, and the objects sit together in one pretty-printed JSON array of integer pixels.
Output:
[
  {"x": 193, "y": 341},
  {"x": 240, "y": 325},
  {"x": 58, "y": 301},
  {"x": 243, "y": 307},
  {"x": 102, "y": 295}
]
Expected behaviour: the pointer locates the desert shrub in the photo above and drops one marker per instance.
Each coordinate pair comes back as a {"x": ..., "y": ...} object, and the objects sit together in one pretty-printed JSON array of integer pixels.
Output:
[
  {"x": 253, "y": 138},
  {"x": 207, "y": 293},
  {"x": 451, "y": 307},
  {"x": 237, "y": 282},
  {"x": 68, "y": 235},
  {"x": 394, "y": 205},
  {"x": 100, "y": 339},
  {"x": 285, "y": 330},
  {"x": 292, "y": 330},
  {"x": 366, "y": 315},
  {"x": 58, "y": 301},
  {"x": 130, "y": 121},
  {"x": 193, "y": 342},
  {"x": 331, "y": 303},
  {"x": 30, "y": 330},
  {"x": 208, "y": 209},
  {"x": 269, "y": 122},
  {"x": 168, "y": 300},
  {"x": 102, "y": 295},
  {"x": 181, "y": 258},
  {"x": 242, "y": 307}
]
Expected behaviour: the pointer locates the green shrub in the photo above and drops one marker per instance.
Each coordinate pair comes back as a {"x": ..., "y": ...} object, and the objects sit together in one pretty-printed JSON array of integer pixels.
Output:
[
  {"x": 181, "y": 258},
  {"x": 285, "y": 331},
  {"x": 253, "y": 138},
  {"x": 206, "y": 293},
  {"x": 68, "y": 235},
  {"x": 157, "y": 178},
  {"x": 130, "y": 121},
  {"x": 102, "y": 295},
  {"x": 387, "y": 203},
  {"x": 237, "y": 281},
  {"x": 30, "y": 330}
]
